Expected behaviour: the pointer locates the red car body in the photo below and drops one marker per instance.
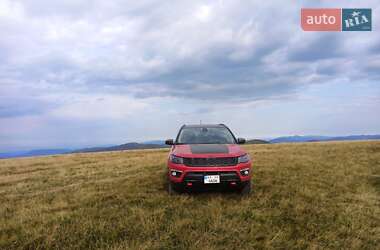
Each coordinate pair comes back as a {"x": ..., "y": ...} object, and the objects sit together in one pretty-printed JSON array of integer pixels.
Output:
[{"x": 200, "y": 160}]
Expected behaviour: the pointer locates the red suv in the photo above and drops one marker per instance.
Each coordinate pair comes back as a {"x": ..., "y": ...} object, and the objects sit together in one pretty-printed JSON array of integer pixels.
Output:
[{"x": 204, "y": 156}]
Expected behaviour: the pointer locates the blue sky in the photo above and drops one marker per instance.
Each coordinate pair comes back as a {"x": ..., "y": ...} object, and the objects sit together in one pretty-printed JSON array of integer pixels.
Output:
[{"x": 83, "y": 73}]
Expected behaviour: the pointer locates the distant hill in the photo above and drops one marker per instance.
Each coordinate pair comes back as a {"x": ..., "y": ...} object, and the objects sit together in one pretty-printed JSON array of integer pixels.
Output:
[
  {"x": 157, "y": 142},
  {"x": 298, "y": 138},
  {"x": 126, "y": 146},
  {"x": 256, "y": 141},
  {"x": 161, "y": 144},
  {"x": 36, "y": 152},
  {"x": 314, "y": 138},
  {"x": 355, "y": 138}
]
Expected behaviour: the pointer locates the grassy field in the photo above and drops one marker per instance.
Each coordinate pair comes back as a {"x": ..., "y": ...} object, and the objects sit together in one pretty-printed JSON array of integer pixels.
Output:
[{"x": 311, "y": 195}]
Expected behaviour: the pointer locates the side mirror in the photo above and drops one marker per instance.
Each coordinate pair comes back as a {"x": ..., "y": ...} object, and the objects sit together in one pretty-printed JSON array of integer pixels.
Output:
[
  {"x": 169, "y": 142},
  {"x": 240, "y": 140}
]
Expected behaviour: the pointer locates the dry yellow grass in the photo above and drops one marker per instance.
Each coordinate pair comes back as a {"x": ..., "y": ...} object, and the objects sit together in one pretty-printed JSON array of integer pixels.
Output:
[{"x": 312, "y": 195}]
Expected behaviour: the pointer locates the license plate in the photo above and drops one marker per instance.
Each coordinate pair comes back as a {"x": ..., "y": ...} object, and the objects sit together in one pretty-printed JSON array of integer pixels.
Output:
[{"x": 211, "y": 179}]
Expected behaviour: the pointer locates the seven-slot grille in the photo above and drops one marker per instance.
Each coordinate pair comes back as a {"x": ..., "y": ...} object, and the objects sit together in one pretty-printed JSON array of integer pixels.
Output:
[{"x": 210, "y": 162}]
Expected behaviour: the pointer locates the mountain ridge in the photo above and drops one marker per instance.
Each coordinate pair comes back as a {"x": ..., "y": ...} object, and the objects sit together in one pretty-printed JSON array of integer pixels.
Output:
[{"x": 155, "y": 144}]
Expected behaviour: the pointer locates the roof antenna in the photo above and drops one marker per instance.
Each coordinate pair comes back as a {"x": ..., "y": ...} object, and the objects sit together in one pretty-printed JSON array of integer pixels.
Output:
[{"x": 200, "y": 122}]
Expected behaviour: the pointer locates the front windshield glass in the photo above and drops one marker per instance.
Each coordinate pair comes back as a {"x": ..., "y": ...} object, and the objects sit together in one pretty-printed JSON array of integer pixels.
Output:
[{"x": 205, "y": 135}]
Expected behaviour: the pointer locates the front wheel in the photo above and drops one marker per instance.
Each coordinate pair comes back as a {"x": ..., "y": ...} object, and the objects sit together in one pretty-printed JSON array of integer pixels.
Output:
[
  {"x": 246, "y": 189},
  {"x": 172, "y": 190}
]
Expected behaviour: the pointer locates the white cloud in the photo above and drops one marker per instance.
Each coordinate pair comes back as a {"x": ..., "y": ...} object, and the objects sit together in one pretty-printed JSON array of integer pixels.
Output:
[
  {"x": 94, "y": 107},
  {"x": 11, "y": 10},
  {"x": 203, "y": 13},
  {"x": 92, "y": 61}
]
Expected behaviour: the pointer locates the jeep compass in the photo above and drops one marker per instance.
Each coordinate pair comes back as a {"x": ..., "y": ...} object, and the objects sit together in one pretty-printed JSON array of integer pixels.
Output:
[{"x": 207, "y": 156}]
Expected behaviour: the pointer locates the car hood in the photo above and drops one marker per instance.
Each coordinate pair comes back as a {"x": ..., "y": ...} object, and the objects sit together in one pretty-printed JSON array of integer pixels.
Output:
[{"x": 208, "y": 150}]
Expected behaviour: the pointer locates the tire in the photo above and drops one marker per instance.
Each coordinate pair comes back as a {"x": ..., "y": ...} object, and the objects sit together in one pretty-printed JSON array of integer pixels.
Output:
[
  {"x": 246, "y": 189},
  {"x": 172, "y": 190}
]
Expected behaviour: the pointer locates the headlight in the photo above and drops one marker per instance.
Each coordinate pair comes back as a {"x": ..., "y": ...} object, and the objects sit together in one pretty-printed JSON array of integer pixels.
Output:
[
  {"x": 244, "y": 172},
  {"x": 176, "y": 159},
  {"x": 175, "y": 173},
  {"x": 244, "y": 158}
]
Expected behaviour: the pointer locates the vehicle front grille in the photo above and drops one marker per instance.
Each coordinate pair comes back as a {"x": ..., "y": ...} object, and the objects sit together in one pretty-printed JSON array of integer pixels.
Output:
[{"x": 210, "y": 162}]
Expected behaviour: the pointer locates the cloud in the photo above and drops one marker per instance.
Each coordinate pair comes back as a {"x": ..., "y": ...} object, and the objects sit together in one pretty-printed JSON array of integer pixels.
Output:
[
  {"x": 14, "y": 107},
  {"x": 168, "y": 46},
  {"x": 180, "y": 48},
  {"x": 92, "y": 107},
  {"x": 92, "y": 60},
  {"x": 324, "y": 46}
]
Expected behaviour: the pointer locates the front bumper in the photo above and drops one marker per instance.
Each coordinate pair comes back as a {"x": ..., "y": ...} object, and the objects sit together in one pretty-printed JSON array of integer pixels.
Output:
[{"x": 195, "y": 175}]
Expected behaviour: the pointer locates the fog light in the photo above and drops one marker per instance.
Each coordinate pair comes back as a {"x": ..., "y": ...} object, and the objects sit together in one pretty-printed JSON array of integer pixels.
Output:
[
  {"x": 244, "y": 172},
  {"x": 175, "y": 173}
]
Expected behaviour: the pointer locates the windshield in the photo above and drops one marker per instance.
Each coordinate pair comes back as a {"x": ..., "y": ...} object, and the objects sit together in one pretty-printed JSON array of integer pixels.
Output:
[{"x": 205, "y": 135}]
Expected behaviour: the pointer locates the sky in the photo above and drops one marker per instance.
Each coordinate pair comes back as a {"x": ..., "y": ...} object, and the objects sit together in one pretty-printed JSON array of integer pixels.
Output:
[{"x": 80, "y": 73}]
